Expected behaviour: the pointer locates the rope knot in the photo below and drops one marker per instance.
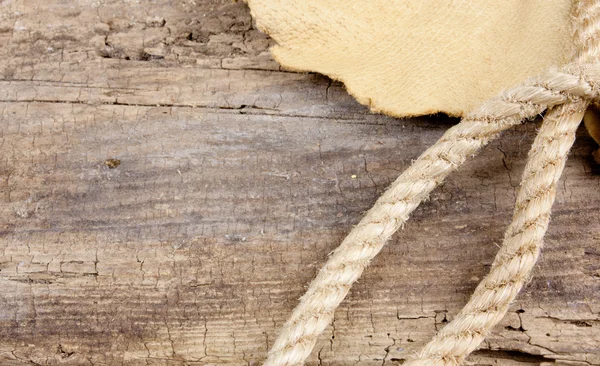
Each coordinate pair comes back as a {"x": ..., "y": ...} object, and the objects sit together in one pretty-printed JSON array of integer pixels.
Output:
[{"x": 566, "y": 93}]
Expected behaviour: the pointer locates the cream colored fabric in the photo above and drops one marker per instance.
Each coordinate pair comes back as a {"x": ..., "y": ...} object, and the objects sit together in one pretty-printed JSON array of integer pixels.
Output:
[{"x": 414, "y": 57}]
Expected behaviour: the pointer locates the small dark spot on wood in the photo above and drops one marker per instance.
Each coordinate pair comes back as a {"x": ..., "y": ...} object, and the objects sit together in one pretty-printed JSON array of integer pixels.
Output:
[
  {"x": 520, "y": 329},
  {"x": 409, "y": 340},
  {"x": 520, "y": 311},
  {"x": 62, "y": 352},
  {"x": 144, "y": 56},
  {"x": 399, "y": 361},
  {"x": 580, "y": 323},
  {"x": 112, "y": 163},
  {"x": 518, "y": 356}
]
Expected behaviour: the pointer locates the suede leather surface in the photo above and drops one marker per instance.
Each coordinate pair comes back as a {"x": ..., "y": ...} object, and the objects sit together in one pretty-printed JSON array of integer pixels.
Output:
[{"x": 415, "y": 57}]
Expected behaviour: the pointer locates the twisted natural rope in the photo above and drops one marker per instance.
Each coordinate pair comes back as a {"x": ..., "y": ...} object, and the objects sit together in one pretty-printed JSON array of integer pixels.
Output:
[
  {"x": 524, "y": 236},
  {"x": 523, "y": 240},
  {"x": 315, "y": 311},
  {"x": 390, "y": 212}
]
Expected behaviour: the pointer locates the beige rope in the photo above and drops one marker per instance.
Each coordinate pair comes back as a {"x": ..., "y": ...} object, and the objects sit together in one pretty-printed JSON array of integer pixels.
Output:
[
  {"x": 523, "y": 240},
  {"x": 390, "y": 212},
  {"x": 524, "y": 236}
]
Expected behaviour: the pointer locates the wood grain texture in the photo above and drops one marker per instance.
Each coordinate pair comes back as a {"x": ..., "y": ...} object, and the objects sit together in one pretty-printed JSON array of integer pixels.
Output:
[{"x": 235, "y": 180}]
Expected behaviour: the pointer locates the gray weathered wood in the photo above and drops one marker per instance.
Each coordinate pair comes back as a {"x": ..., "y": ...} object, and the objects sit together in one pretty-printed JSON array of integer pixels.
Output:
[{"x": 236, "y": 179}]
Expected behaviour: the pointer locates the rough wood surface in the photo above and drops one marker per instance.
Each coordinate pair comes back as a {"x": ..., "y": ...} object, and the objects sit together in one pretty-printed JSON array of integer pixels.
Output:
[{"x": 167, "y": 192}]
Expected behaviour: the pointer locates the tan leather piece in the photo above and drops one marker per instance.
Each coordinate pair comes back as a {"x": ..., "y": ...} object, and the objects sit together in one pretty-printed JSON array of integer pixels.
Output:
[
  {"x": 591, "y": 119},
  {"x": 415, "y": 57}
]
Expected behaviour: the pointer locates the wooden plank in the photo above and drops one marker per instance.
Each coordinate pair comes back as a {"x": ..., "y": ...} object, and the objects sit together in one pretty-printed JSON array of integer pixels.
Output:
[
  {"x": 136, "y": 83},
  {"x": 234, "y": 182}
]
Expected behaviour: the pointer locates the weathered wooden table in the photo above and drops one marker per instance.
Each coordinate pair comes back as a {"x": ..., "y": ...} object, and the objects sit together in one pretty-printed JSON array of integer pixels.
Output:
[{"x": 167, "y": 193}]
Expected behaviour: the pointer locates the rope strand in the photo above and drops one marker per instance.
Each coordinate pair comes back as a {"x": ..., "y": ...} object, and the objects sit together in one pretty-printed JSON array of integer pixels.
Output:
[
  {"x": 522, "y": 243},
  {"x": 391, "y": 211},
  {"x": 524, "y": 237}
]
